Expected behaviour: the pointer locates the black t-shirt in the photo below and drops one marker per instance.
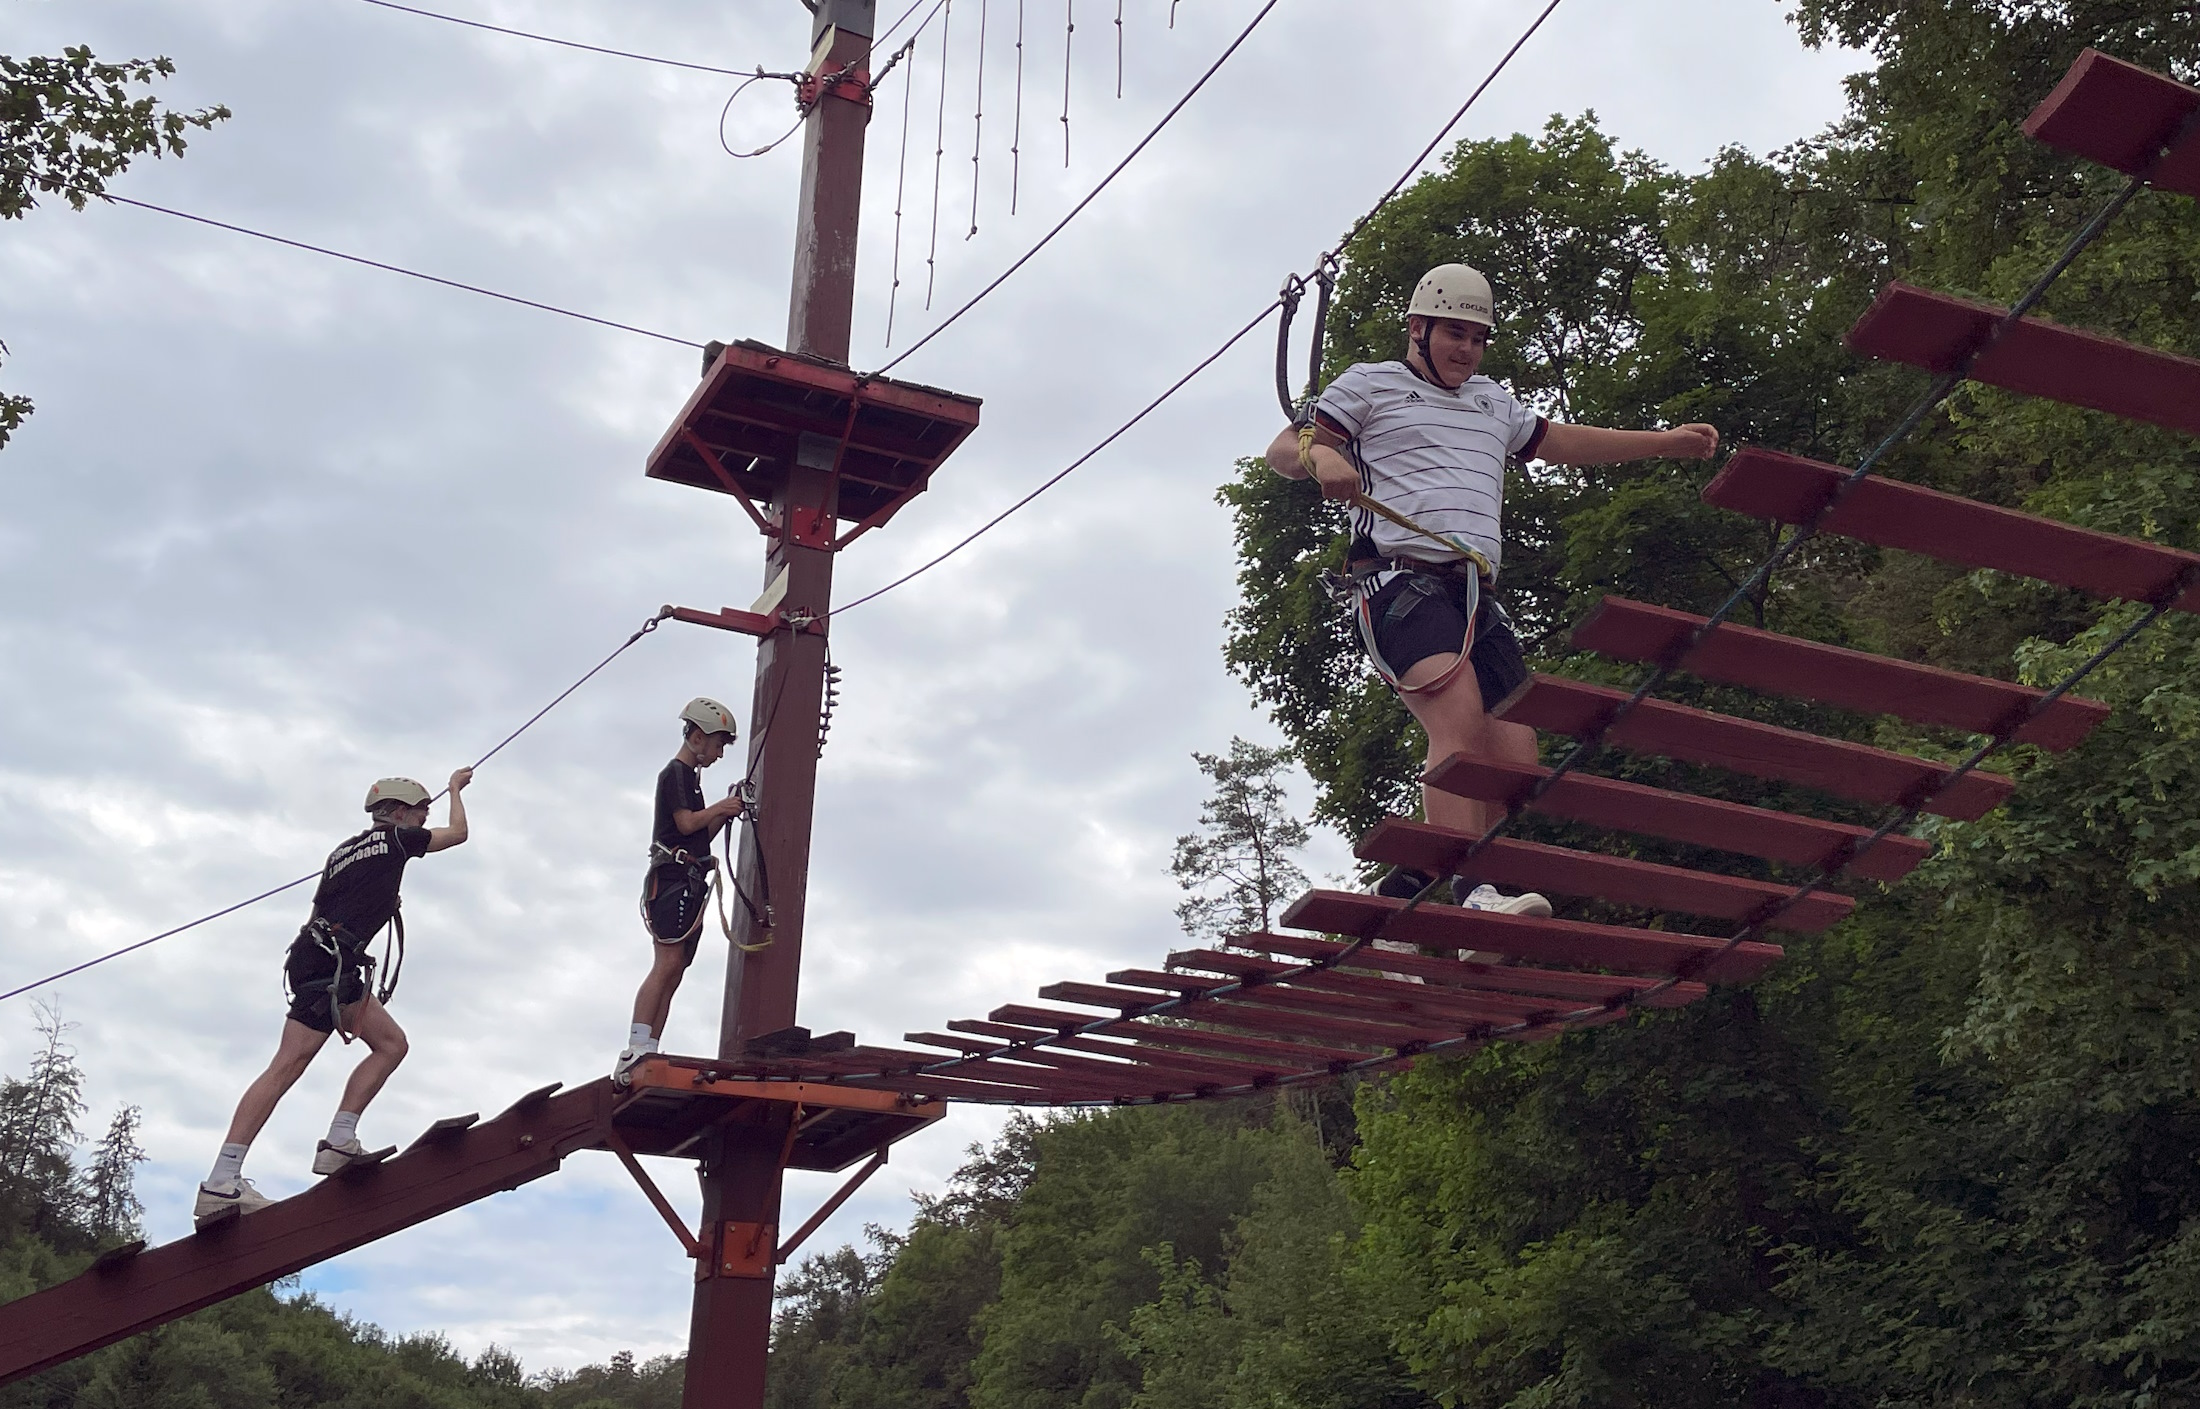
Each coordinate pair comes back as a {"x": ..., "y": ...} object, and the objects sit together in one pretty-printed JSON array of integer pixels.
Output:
[
  {"x": 359, "y": 885},
  {"x": 679, "y": 789}
]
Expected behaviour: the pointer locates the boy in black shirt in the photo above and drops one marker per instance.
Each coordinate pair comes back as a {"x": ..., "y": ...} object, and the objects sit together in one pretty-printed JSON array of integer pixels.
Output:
[
  {"x": 676, "y": 891},
  {"x": 328, "y": 974}
]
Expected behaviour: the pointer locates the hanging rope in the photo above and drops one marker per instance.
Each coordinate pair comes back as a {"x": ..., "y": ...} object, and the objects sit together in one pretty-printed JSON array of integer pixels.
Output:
[
  {"x": 1016, "y": 131},
  {"x": 1069, "y": 36},
  {"x": 977, "y": 123},
  {"x": 1119, "y": 50},
  {"x": 901, "y": 182},
  {"x": 939, "y": 156},
  {"x": 759, "y": 76}
]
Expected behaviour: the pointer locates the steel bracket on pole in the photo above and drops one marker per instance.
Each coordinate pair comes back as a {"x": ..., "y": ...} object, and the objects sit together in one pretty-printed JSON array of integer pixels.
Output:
[
  {"x": 741, "y": 1250},
  {"x": 747, "y": 623}
]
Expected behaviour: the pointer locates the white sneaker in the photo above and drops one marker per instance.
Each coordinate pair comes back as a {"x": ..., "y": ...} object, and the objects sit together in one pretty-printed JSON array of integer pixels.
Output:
[
  {"x": 1486, "y": 897},
  {"x": 217, "y": 1202},
  {"x": 335, "y": 1159},
  {"x": 628, "y": 1060}
]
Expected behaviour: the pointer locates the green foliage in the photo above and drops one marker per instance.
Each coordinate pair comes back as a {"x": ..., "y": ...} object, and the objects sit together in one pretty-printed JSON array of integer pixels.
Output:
[
  {"x": 67, "y": 125},
  {"x": 1237, "y": 871}
]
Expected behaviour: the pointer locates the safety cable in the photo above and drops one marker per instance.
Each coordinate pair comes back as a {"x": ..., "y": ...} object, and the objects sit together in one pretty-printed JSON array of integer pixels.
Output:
[
  {"x": 388, "y": 268},
  {"x": 547, "y": 39},
  {"x": 1094, "y": 194},
  {"x": 533, "y": 719},
  {"x": 1186, "y": 1003},
  {"x": 1064, "y": 473}
]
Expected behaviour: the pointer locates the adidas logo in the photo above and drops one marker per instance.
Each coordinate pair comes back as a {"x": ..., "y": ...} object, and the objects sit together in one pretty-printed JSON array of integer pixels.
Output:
[{"x": 1412, "y": 395}]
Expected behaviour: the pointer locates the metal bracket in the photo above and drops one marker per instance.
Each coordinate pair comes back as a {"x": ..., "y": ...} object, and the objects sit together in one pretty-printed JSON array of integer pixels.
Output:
[
  {"x": 649, "y": 1187},
  {"x": 831, "y": 1205},
  {"x": 747, "y": 623},
  {"x": 743, "y": 1250}
]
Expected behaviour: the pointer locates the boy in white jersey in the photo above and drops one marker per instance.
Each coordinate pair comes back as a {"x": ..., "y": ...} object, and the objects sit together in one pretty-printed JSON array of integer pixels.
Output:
[{"x": 1427, "y": 440}]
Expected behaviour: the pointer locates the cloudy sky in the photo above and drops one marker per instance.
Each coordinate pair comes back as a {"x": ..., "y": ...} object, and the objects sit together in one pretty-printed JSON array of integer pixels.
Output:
[{"x": 282, "y": 524}]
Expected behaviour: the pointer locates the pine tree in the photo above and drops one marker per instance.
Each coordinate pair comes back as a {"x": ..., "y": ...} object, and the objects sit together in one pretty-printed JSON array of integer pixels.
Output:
[
  {"x": 112, "y": 1181},
  {"x": 1237, "y": 870},
  {"x": 38, "y": 1130}
]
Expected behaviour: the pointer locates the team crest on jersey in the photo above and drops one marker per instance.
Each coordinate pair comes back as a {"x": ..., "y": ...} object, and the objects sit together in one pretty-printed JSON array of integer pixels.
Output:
[{"x": 1483, "y": 404}]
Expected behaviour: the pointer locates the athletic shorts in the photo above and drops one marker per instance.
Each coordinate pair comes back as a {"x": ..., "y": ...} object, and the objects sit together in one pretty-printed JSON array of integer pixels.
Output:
[
  {"x": 672, "y": 904},
  {"x": 1418, "y": 615},
  {"x": 311, "y": 971}
]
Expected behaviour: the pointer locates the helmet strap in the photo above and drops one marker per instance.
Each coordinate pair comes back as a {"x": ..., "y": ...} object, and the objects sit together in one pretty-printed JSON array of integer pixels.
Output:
[{"x": 1428, "y": 358}]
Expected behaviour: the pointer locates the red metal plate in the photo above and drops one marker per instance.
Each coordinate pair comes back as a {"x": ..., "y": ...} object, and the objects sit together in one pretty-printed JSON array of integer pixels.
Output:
[
  {"x": 1766, "y": 484},
  {"x": 1856, "y": 680},
  {"x": 2121, "y": 115},
  {"x": 1539, "y": 941},
  {"x": 1654, "y": 726},
  {"x": 1526, "y": 865},
  {"x": 1935, "y": 331},
  {"x": 1681, "y": 817}
]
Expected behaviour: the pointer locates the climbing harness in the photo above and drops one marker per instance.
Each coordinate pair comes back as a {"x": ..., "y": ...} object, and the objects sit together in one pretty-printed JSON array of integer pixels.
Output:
[{"x": 334, "y": 940}]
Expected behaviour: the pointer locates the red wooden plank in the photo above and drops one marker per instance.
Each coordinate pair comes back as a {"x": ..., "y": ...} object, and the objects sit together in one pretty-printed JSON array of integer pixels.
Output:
[
  {"x": 1256, "y": 1048},
  {"x": 1287, "y": 1010},
  {"x": 1112, "y": 1078},
  {"x": 2035, "y": 358},
  {"x": 1269, "y": 1022},
  {"x": 1541, "y": 941},
  {"x": 2121, "y": 115},
  {"x": 1698, "y": 821},
  {"x": 1454, "y": 1005},
  {"x": 1527, "y": 865},
  {"x": 1654, "y": 726},
  {"x": 1569, "y": 987},
  {"x": 1766, "y": 484},
  {"x": 1194, "y": 1070},
  {"x": 1773, "y": 664}
]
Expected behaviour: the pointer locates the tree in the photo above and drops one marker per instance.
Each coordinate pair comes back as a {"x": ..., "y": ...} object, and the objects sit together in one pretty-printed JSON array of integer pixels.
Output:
[
  {"x": 111, "y": 1183},
  {"x": 1238, "y": 870},
  {"x": 67, "y": 125}
]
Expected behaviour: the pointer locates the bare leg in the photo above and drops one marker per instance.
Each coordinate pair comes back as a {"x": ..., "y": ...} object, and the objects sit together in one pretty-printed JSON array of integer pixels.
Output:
[
  {"x": 386, "y": 1047},
  {"x": 299, "y": 1045},
  {"x": 1456, "y": 722},
  {"x": 653, "y": 1004}
]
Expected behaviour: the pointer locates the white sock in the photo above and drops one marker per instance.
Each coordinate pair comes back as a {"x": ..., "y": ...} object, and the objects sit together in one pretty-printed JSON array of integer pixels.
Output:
[
  {"x": 344, "y": 1128},
  {"x": 228, "y": 1165},
  {"x": 638, "y": 1038}
]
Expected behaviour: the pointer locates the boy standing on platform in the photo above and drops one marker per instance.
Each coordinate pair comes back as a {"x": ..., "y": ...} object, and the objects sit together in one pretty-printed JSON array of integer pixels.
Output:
[
  {"x": 676, "y": 892},
  {"x": 329, "y": 975},
  {"x": 1418, "y": 448}
]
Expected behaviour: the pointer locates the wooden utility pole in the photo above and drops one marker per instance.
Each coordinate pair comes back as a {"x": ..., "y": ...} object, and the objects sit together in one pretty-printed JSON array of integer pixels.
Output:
[{"x": 742, "y": 1169}]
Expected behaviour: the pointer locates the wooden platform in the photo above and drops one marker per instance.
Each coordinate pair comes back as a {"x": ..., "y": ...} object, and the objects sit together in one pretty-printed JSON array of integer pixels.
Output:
[{"x": 2123, "y": 116}]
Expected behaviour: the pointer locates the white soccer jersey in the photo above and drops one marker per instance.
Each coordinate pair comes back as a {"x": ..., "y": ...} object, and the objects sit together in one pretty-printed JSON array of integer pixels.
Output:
[{"x": 1436, "y": 456}]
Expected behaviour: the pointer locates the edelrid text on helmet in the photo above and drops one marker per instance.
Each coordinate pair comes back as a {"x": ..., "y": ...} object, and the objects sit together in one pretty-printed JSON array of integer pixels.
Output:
[
  {"x": 1454, "y": 291},
  {"x": 710, "y": 717},
  {"x": 403, "y": 790}
]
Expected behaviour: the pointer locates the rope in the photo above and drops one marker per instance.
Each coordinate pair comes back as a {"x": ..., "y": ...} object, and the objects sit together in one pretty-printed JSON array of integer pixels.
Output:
[
  {"x": 901, "y": 183},
  {"x": 532, "y": 720},
  {"x": 561, "y": 43},
  {"x": 977, "y": 123},
  {"x": 939, "y": 155},
  {"x": 387, "y": 268},
  {"x": 1016, "y": 129}
]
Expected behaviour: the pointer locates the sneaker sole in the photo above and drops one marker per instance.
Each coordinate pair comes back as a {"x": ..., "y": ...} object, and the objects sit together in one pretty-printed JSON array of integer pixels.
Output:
[{"x": 345, "y": 1163}]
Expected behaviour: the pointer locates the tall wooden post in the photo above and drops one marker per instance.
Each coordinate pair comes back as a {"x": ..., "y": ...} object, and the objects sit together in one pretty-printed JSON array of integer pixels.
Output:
[{"x": 731, "y": 1326}]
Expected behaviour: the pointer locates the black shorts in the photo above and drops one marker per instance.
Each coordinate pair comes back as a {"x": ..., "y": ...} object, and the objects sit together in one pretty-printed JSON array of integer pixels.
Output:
[
  {"x": 1418, "y": 615},
  {"x": 312, "y": 971},
  {"x": 673, "y": 896}
]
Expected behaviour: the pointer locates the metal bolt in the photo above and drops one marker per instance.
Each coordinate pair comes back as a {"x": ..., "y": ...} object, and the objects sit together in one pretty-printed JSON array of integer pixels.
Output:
[{"x": 525, "y": 1141}]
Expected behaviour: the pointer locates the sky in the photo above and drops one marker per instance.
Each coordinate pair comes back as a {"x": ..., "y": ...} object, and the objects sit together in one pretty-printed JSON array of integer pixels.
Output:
[{"x": 282, "y": 525}]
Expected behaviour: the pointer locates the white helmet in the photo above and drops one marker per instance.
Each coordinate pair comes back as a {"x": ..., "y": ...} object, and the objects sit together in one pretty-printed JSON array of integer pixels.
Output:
[
  {"x": 710, "y": 717},
  {"x": 1454, "y": 291},
  {"x": 403, "y": 790}
]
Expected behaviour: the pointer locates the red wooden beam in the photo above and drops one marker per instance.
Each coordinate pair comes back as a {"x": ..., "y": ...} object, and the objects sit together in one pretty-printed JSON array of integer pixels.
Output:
[
  {"x": 1198, "y": 1039},
  {"x": 1569, "y": 987},
  {"x": 1773, "y": 664},
  {"x": 1456, "y": 1005},
  {"x": 2121, "y": 115},
  {"x": 1856, "y": 771},
  {"x": 1681, "y": 817},
  {"x": 1539, "y": 941},
  {"x": 1225, "y": 1069},
  {"x": 335, "y": 1216},
  {"x": 1766, "y": 484},
  {"x": 1285, "y": 1010},
  {"x": 1527, "y": 865},
  {"x": 1264, "y": 1023},
  {"x": 1149, "y": 1068},
  {"x": 2035, "y": 358}
]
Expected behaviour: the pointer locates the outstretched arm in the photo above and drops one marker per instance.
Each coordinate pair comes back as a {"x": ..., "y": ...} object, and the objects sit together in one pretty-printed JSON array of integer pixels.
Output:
[
  {"x": 445, "y": 837},
  {"x": 1595, "y": 445}
]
